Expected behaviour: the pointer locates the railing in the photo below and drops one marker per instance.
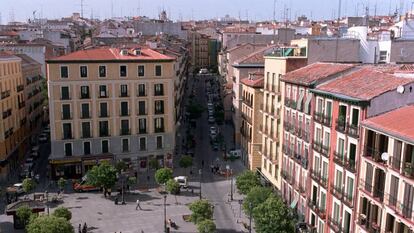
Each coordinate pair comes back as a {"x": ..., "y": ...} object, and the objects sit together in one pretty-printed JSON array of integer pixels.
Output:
[
  {"x": 20, "y": 88},
  {"x": 327, "y": 120},
  {"x": 317, "y": 146},
  {"x": 353, "y": 131},
  {"x": 338, "y": 192},
  {"x": 349, "y": 199},
  {"x": 104, "y": 134},
  {"x": 22, "y": 104},
  {"x": 335, "y": 224},
  {"x": 374, "y": 154},
  {"x": 306, "y": 136},
  {"x": 5, "y": 94},
  {"x": 124, "y": 94},
  {"x": 404, "y": 210},
  {"x": 350, "y": 165},
  {"x": 159, "y": 130},
  {"x": 318, "y": 117},
  {"x": 142, "y": 130},
  {"x": 125, "y": 131},
  {"x": 85, "y": 96},
  {"x": 340, "y": 125},
  {"x": 325, "y": 150},
  {"x": 339, "y": 158}
]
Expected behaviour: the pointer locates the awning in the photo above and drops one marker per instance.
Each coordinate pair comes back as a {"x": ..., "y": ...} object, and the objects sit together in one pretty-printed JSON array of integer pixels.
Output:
[
  {"x": 294, "y": 203},
  {"x": 65, "y": 161},
  {"x": 300, "y": 100},
  {"x": 307, "y": 103}
]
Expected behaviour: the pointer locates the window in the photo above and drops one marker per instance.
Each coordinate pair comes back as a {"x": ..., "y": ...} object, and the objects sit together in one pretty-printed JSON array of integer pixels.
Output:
[
  {"x": 103, "y": 129},
  {"x": 141, "y": 70},
  {"x": 383, "y": 56},
  {"x": 104, "y": 109},
  {"x": 159, "y": 107},
  {"x": 64, "y": 72},
  {"x": 336, "y": 212},
  {"x": 125, "y": 127},
  {"x": 68, "y": 149},
  {"x": 85, "y": 92},
  {"x": 341, "y": 143},
  {"x": 141, "y": 108},
  {"x": 86, "y": 148},
  {"x": 83, "y": 71},
  {"x": 67, "y": 131},
  {"x": 327, "y": 139},
  {"x": 349, "y": 192},
  {"x": 141, "y": 90},
  {"x": 322, "y": 204},
  {"x": 123, "y": 71},
  {"x": 102, "y": 91},
  {"x": 338, "y": 179},
  {"x": 64, "y": 93},
  {"x": 102, "y": 71},
  {"x": 142, "y": 144},
  {"x": 157, "y": 70},
  {"x": 85, "y": 111},
  {"x": 86, "y": 129},
  {"x": 124, "y": 90},
  {"x": 142, "y": 126},
  {"x": 65, "y": 112},
  {"x": 159, "y": 125},
  {"x": 159, "y": 89},
  {"x": 124, "y": 109},
  {"x": 125, "y": 145},
  {"x": 105, "y": 146},
  {"x": 159, "y": 142}
]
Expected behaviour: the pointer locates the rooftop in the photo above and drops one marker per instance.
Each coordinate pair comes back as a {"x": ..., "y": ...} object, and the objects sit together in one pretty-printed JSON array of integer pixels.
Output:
[
  {"x": 255, "y": 58},
  {"x": 255, "y": 80},
  {"x": 111, "y": 54},
  {"x": 315, "y": 72},
  {"x": 390, "y": 123},
  {"x": 363, "y": 84}
]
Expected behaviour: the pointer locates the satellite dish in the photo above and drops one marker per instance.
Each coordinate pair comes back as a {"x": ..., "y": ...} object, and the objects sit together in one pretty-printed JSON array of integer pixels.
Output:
[
  {"x": 400, "y": 89},
  {"x": 384, "y": 156}
]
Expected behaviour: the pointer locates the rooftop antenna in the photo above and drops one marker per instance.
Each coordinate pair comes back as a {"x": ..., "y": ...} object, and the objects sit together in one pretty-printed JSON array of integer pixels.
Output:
[
  {"x": 337, "y": 36},
  {"x": 91, "y": 13},
  {"x": 11, "y": 15},
  {"x": 81, "y": 8},
  {"x": 139, "y": 8},
  {"x": 274, "y": 18},
  {"x": 112, "y": 9},
  {"x": 0, "y": 19},
  {"x": 401, "y": 10},
  {"x": 375, "y": 9}
]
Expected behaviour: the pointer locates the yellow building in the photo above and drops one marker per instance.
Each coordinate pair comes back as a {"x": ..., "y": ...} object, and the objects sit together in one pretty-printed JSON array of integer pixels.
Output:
[
  {"x": 277, "y": 63},
  {"x": 13, "y": 118},
  {"x": 110, "y": 104},
  {"x": 252, "y": 99}
]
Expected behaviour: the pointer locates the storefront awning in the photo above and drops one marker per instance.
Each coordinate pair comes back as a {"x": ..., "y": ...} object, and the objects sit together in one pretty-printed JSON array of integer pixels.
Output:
[{"x": 65, "y": 161}]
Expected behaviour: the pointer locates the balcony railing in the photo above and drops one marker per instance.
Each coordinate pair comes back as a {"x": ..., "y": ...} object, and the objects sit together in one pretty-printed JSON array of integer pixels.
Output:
[
  {"x": 349, "y": 199},
  {"x": 335, "y": 224},
  {"x": 20, "y": 88},
  {"x": 125, "y": 131},
  {"x": 350, "y": 165},
  {"x": 338, "y": 192},
  {"x": 317, "y": 146},
  {"x": 318, "y": 117},
  {"x": 325, "y": 150},
  {"x": 142, "y": 130},
  {"x": 340, "y": 125},
  {"x": 339, "y": 158},
  {"x": 104, "y": 134},
  {"x": 374, "y": 154},
  {"x": 353, "y": 131},
  {"x": 159, "y": 130}
]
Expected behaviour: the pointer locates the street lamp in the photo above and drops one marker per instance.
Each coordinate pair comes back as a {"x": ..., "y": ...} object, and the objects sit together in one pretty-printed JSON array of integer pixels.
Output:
[
  {"x": 165, "y": 213},
  {"x": 47, "y": 201},
  {"x": 231, "y": 188},
  {"x": 250, "y": 217},
  {"x": 200, "y": 173}
]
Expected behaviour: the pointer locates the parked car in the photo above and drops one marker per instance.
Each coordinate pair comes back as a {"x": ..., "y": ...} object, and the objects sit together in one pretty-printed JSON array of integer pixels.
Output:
[
  {"x": 17, "y": 188},
  {"x": 234, "y": 154},
  {"x": 84, "y": 187},
  {"x": 211, "y": 120},
  {"x": 203, "y": 71},
  {"x": 182, "y": 181},
  {"x": 43, "y": 138},
  {"x": 34, "y": 153},
  {"x": 213, "y": 130},
  {"x": 215, "y": 146}
]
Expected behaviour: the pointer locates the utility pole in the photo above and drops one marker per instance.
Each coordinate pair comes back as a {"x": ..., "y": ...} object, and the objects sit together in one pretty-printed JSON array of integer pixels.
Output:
[
  {"x": 250, "y": 217},
  {"x": 81, "y": 8},
  {"x": 200, "y": 172},
  {"x": 165, "y": 213}
]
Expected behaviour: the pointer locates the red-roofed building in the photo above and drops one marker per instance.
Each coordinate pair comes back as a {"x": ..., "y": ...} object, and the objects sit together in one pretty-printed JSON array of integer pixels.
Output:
[{"x": 386, "y": 173}]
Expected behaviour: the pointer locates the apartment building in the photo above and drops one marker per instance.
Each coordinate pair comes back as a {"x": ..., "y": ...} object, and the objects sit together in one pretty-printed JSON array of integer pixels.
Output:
[
  {"x": 110, "y": 103},
  {"x": 277, "y": 63},
  {"x": 32, "y": 77},
  {"x": 13, "y": 118},
  {"x": 340, "y": 107},
  {"x": 385, "y": 200},
  {"x": 199, "y": 50},
  {"x": 252, "y": 99},
  {"x": 298, "y": 130}
]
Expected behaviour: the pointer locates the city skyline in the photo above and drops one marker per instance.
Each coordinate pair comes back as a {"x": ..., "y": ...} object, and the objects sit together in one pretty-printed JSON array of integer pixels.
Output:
[{"x": 188, "y": 9}]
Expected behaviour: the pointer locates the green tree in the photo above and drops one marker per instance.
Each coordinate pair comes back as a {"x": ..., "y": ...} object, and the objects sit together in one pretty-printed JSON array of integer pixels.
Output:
[
  {"x": 63, "y": 212},
  {"x": 163, "y": 175},
  {"x": 23, "y": 213},
  {"x": 131, "y": 180},
  {"x": 273, "y": 216},
  {"x": 206, "y": 226},
  {"x": 173, "y": 186},
  {"x": 256, "y": 196},
  {"x": 28, "y": 185},
  {"x": 103, "y": 175},
  {"x": 201, "y": 210},
  {"x": 153, "y": 164},
  {"x": 121, "y": 166},
  {"x": 49, "y": 224},
  {"x": 61, "y": 183},
  {"x": 247, "y": 180},
  {"x": 186, "y": 162}
]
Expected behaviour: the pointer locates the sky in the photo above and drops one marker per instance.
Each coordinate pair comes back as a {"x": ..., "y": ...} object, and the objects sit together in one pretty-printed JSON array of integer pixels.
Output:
[{"x": 21, "y": 10}]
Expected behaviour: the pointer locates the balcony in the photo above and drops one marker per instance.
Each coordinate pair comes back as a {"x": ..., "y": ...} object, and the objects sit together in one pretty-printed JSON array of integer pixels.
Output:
[
  {"x": 335, "y": 224},
  {"x": 125, "y": 131},
  {"x": 124, "y": 94},
  {"x": 317, "y": 146},
  {"x": 104, "y": 133},
  {"x": 124, "y": 113},
  {"x": 350, "y": 165},
  {"x": 369, "y": 226},
  {"x": 85, "y": 95},
  {"x": 67, "y": 136},
  {"x": 142, "y": 131},
  {"x": 85, "y": 115},
  {"x": 325, "y": 150},
  {"x": 20, "y": 88},
  {"x": 22, "y": 104},
  {"x": 338, "y": 192},
  {"x": 339, "y": 158},
  {"x": 247, "y": 102},
  {"x": 353, "y": 131},
  {"x": 374, "y": 154},
  {"x": 349, "y": 199},
  {"x": 318, "y": 117},
  {"x": 159, "y": 130},
  {"x": 306, "y": 136},
  {"x": 5, "y": 94},
  {"x": 341, "y": 125},
  {"x": 246, "y": 117}
]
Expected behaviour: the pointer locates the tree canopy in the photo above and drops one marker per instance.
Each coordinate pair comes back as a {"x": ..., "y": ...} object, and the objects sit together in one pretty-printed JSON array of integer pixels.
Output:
[
  {"x": 201, "y": 210},
  {"x": 173, "y": 186},
  {"x": 61, "y": 183},
  {"x": 273, "y": 216},
  {"x": 63, "y": 212},
  {"x": 247, "y": 180},
  {"x": 206, "y": 226},
  {"x": 256, "y": 196},
  {"x": 153, "y": 164},
  {"x": 23, "y": 213},
  {"x": 49, "y": 224},
  {"x": 28, "y": 185},
  {"x": 162, "y": 175},
  {"x": 186, "y": 161},
  {"x": 103, "y": 175}
]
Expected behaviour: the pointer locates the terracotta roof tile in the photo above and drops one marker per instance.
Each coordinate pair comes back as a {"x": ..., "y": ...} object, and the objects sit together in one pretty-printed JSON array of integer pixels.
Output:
[
  {"x": 101, "y": 54},
  {"x": 314, "y": 72},
  {"x": 255, "y": 79},
  {"x": 255, "y": 57},
  {"x": 390, "y": 123},
  {"x": 364, "y": 84}
]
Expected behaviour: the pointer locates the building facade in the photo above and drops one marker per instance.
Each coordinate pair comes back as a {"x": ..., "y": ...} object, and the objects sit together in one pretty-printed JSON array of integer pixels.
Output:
[{"x": 111, "y": 103}]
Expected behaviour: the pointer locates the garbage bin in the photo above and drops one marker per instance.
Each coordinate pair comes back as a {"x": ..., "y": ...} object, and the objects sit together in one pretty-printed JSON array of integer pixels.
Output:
[
  {"x": 116, "y": 201},
  {"x": 168, "y": 230}
]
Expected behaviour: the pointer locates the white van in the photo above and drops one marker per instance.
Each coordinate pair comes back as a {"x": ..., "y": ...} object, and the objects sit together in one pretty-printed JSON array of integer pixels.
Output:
[
  {"x": 182, "y": 181},
  {"x": 234, "y": 153},
  {"x": 203, "y": 71}
]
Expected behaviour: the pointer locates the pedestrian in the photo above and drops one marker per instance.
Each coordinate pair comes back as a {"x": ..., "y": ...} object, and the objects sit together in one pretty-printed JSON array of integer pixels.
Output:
[
  {"x": 138, "y": 205},
  {"x": 212, "y": 168},
  {"x": 85, "y": 228},
  {"x": 80, "y": 228}
]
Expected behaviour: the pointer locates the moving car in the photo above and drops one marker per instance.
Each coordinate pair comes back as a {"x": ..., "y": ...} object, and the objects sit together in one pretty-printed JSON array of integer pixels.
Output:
[
  {"x": 234, "y": 153},
  {"x": 83, "y": 186},
  {"x": 203, "y": 71},
  {"x": 182, "y": 181},
  {"x": 211, "y": 120},
  {"x": 16, "y": 188},
  {"x": 213, "y": 130}
]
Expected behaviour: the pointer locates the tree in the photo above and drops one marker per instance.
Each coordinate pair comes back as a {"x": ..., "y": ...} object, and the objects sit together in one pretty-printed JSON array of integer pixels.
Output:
[
  {"x": 131, "y": 180},
  {"x": 61, "y": 183},
  {"x": 173, "y": 186},
  {"x": 153, "y": 164},
  {"x": 247, "y": 180},
  {"x": 206, "y": 226},
  {"x": 63, "y": 212},
  {"x": 103, "y": 175},
  {"x": 28, "y": 185},
  {"x": 49, "y": 224},
  {"x": 186, "y": 162},
  {"x": 256, "y": 196},
  {"x": 121, "y": 166},
  {"x": 201, "y": 210},
  {"x": 23, "y": 213},
  {"x": 163, "y": 175},
  {"x": 273, "y": 216}
]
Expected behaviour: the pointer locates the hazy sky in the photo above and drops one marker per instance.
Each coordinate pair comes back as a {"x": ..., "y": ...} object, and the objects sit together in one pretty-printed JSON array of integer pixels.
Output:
[{"x": 197, "y": 9}]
